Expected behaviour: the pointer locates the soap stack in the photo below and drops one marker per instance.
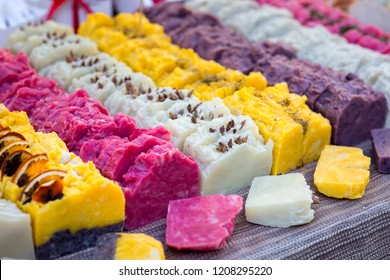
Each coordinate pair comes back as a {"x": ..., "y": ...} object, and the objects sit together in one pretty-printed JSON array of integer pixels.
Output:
[
  {"x": 207, "y": 131},
  {"x": 58, "y": 191},
  {"x": 280, "y": 116},
  {"x": 312, "y": 13},
  {"x": 266, "y": 23},
  {"x": 150, "y": 170},
  {"x": 352, "y": 107}
]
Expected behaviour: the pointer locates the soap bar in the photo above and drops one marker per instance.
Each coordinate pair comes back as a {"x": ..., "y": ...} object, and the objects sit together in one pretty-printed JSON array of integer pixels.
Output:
[
  {"x": 16, "y": 239},
  {"x": 202, "y": 223},
  {"x": 342, "y": 172},
  {"x": 381, "y": 143},
  {"x": 230, "y": 153},
  {"x": 126, "y": 246},
  {"x": 279, "y": 201}
]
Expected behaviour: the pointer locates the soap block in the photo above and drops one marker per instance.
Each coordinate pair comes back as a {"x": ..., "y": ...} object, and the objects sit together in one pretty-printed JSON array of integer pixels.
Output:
[
  {"x": 381, "y": 144},
  {"x": 279, "y": 201},
  {"x": 342, "y": 172},
  {"x": 273, "y": 124},
  {"x": 16, "y": 239},
  {"x": 126, "y": 246},
  {"x": 202, "y": 223},
  {"x": 230, "y": 153}
]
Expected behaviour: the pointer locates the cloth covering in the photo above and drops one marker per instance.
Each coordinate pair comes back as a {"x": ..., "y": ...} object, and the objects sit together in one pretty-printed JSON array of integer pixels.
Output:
[{"x": 341, "y": 229}]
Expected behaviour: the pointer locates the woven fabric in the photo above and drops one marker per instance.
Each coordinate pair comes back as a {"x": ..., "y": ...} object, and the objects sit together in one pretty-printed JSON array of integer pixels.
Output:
[{"x": 341, "y": 229}]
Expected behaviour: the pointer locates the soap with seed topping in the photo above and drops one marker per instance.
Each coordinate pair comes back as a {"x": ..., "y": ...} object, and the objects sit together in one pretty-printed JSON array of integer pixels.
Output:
[{"x": 230, "y": 153}]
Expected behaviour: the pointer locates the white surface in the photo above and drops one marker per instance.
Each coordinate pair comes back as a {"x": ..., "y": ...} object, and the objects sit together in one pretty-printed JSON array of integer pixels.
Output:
[
  {"x": 15, "y": 234},
  {"x": 234, "y": 169},
  {"x": 279, "y": 201}
]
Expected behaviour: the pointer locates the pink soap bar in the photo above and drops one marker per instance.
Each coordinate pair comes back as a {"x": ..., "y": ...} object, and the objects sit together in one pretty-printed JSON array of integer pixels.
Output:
[
  {"x": 158, "y": 176},
  {"x": 202, "y": 223}
]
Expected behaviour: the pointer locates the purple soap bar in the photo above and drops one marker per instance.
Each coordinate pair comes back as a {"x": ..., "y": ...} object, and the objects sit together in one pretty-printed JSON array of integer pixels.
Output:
[{"x": 381, "y": 144}]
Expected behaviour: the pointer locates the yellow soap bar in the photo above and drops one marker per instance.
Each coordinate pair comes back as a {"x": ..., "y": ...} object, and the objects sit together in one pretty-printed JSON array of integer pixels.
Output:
[
  {"x": 316, "y": 129},
  {"x": 138, "y": 246},
  {"x": 342, "y": 172},
  {"x": 87, "y": 201},
  {"x": 274, "y": 124}
]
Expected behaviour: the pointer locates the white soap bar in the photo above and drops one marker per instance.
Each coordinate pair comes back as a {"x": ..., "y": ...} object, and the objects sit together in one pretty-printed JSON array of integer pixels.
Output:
[
  {"x": 279, "y": 201},
  {"x": 53, "y": 51},
  {"x": 15, "y": 235},
  {"x": 230, "y": 152},
  {"x": 16, "y": 41},
  {"x": 72, "y": 68}
]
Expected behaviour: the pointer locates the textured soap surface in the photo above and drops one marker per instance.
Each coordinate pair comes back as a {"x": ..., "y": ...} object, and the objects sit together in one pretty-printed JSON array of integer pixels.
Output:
[
  {"x": 128, "y": 246},
  {"x": 279, "y": 201},
  {"x": 342, "y": 172},
  {"x": 202, "y": 223},
  {"x": 381, "y": 144},
  {"x": 16, "y": 234}
]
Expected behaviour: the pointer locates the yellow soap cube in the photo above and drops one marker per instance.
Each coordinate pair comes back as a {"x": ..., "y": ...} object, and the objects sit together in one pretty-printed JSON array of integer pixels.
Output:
[
  {"x": 138, "y": 246},
  {"x": 342, "y": 172}
]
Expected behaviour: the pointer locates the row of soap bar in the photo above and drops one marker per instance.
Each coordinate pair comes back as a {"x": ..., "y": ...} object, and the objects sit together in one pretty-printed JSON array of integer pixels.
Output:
[
  {"x": 312, "y": 13},
  {"x": 42, "y": 178},
  {"x": 120, "y": 149},
  {"x": 206, "y": 131},
  {"x": 352, "y": 107},
  {"x": 267, "y": 23},
  {"x": 280, "y": 116}
]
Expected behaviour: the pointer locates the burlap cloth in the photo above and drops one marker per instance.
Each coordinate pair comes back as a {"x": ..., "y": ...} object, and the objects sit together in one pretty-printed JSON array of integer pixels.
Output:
[{"x": 341, "y": 229}]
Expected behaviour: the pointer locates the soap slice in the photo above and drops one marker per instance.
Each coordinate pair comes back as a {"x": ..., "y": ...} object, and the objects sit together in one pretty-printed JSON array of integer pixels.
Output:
[
  {"x": 126, "y": 246},
  {"x": 381, "y": 143},
  {"x": 342, "y": 172},
  {"x": 16, "y": 234},
  {"x": 202, "y": 223},
  {"x": 279, "y": 201},
  {"x": 230, "y": 153}
]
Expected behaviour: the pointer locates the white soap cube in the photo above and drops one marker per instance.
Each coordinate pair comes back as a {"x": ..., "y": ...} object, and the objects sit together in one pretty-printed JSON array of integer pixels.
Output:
[
  {"x": 230, "y": 152},
  {"x": 279, "y": 201},
  {"x": 16, "y": 239}
]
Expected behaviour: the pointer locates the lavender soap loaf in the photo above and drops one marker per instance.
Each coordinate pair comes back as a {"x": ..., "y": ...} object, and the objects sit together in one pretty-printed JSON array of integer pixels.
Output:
[{"x": 381, "y": 145}]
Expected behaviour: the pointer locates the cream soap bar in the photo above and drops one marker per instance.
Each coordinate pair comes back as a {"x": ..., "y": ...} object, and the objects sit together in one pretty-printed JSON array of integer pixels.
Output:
[
  {"x": 15, "y": 235},
  {"x": 230, "y": 152},
  {"x": 279, "y": 201},
  {"x": 342, "y": 172}
]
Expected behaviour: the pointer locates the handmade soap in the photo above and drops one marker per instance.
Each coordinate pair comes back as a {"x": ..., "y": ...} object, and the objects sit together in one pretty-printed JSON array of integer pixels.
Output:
[
  {"x": 381, "y": 144},
  {"x": 279, "y": 201},
  {"x": 126, "y": 246},
  {"x": 230, "y": 153},
  {"x": 342, "y": 172},
  {"x": 202, "y": 223},
  {"x": 16, "y": 239}
]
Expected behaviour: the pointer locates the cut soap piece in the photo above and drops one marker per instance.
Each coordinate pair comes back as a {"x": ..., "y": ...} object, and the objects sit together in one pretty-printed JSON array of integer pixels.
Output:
[
  {"x": 342, "y": 172},
  {"x": 230, "y": 153},
  {"x": 202, "y": 223},
  {"x": 16, "y": 239},
  {"x": 125, "y": 246},
  {"x": 381, "y": 143},
  {"x": 279, "y": 201}
]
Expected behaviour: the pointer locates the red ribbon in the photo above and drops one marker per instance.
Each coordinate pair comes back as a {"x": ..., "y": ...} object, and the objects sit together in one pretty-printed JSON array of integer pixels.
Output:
[{"x": 75, "y": 10}]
